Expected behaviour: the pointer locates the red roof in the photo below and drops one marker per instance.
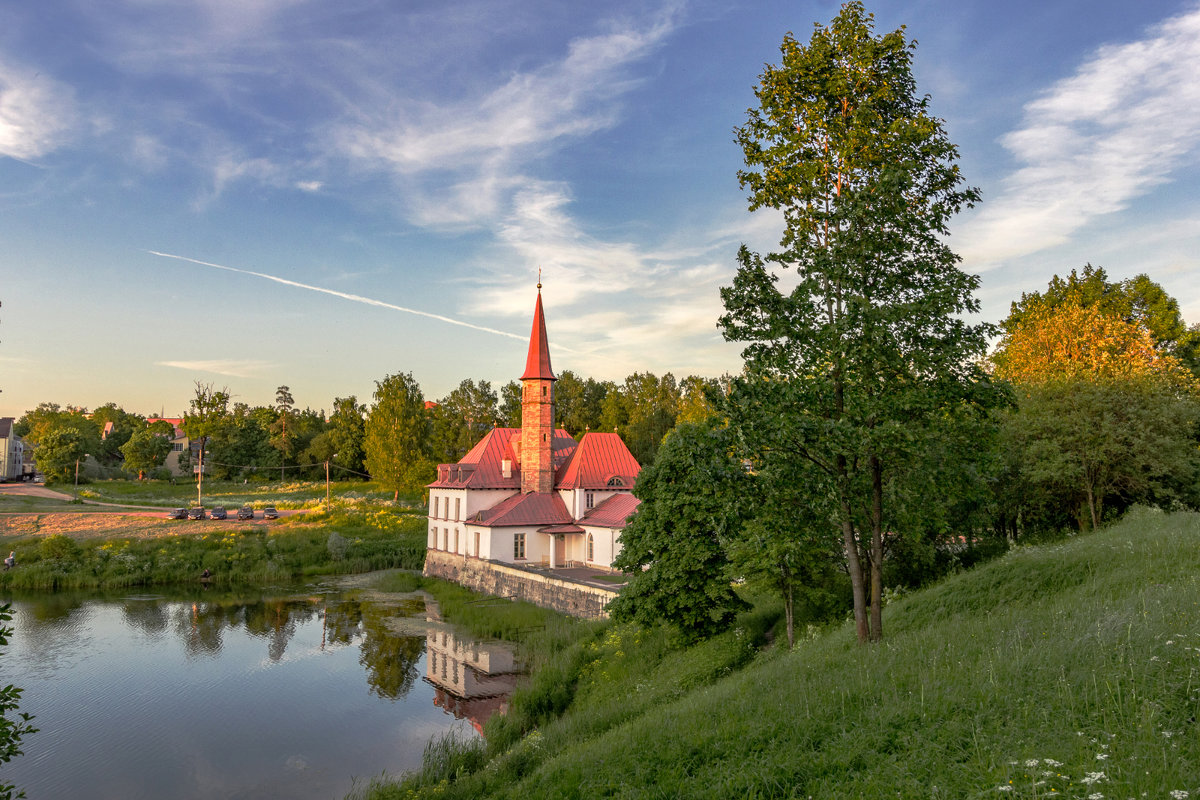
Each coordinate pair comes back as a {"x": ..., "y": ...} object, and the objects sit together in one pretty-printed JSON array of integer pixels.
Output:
[
  {"x": 599, "y": 459},
  {"x": 525, "y": 510},
  {"x": 537, "y": 364},
  {"x": 483, "y": 467},
  {"x": 613, "y": 512}
]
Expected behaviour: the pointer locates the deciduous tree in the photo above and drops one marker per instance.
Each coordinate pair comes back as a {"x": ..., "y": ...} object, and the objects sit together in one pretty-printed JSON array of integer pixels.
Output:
[
  {"x": 674, "y": 547},
  {"x": 397, "y": 435},
  {"x": 873, "y": 336}
]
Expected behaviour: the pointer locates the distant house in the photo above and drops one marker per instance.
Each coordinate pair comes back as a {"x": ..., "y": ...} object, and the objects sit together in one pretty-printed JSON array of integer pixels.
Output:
[
  {"x": 533, "y": 495},
  {"x": 12, "y": 452},
  {"x": 179, "y": 443}
]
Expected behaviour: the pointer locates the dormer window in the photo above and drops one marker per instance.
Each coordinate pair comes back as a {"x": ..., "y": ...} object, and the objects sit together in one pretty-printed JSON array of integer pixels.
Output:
[{"x": 615, "y": 481}]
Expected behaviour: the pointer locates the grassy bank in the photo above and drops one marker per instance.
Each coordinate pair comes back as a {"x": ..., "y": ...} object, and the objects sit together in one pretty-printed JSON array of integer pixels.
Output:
[
  {"x": 344, "y": 540},
  {"x": 1066, "y": 670}
]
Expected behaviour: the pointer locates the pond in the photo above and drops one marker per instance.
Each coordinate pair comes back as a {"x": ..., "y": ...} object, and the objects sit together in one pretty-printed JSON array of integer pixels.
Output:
[{"x": 286, "y": 693}]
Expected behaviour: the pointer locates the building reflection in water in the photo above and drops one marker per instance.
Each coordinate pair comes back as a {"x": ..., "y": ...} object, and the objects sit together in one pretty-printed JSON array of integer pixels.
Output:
[{"x": 472, "y": 680}]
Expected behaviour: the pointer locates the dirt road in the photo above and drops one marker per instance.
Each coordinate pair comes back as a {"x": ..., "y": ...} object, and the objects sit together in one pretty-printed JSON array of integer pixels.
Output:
[{"x": 115, "y": 520}]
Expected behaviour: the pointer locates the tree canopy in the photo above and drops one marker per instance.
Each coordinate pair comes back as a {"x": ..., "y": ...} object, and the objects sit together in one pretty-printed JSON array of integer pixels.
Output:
[{"x": 873, "y": 338}]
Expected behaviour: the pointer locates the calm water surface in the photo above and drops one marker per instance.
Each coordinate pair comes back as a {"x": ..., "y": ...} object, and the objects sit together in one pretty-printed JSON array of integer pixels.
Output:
[{"x": 285, "y": 694}]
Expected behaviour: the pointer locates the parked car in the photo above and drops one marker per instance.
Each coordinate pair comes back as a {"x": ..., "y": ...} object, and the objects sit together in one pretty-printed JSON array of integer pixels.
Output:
[
  {"x": 270, "y": 513},
  {"x": 245, "y": 512},
  {"x": 195, "y": 513},
  {"x": 177, "y": 513},
  {"x": 218, "y": 512}
]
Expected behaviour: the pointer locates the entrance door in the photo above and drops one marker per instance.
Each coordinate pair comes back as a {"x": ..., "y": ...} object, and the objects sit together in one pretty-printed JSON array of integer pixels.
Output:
[{"x": 560, "y": 550}]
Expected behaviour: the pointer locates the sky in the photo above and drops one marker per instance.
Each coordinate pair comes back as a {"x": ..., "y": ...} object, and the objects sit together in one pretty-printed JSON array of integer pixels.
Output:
[{"x": 316, "y": 194}]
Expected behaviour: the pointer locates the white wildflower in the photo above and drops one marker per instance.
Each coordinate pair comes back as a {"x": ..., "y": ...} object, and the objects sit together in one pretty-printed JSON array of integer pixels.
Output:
[
  {"x": 1101, "y": 756},
  {"x": 1179, "y": 794},
  {"x": 1033, "y": 762},
  {"x": 1092, "y": 777},
  {"x": 1050, "y": 762}
]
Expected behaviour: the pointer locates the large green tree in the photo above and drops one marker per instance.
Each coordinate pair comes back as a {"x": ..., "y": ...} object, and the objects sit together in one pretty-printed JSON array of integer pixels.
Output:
[
  {"x": 397, "y": 435},
  {"x": 873, "y": 336},
  {"x": 147, "y": 449},
  {"x": 59, "y": 453},
  {"x": 461, "y": 418},
  {"x": 283, "y": 439},
  {"x": 208, "y": 411},
  {"x": 674, "y": 547},
  {"x": 346, "y": 431}
]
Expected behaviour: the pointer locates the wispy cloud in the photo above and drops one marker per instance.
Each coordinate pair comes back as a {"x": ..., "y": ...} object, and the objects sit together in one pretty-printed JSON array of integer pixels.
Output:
[
  {"x": 232, "y": 368},
  {"x": 482, "y": 144},
  {"x": 1094, "y": 142},
  {"x": 36, "y": 112}
]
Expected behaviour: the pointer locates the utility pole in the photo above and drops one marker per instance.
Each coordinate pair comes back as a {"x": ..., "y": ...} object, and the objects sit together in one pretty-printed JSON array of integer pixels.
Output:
[
  {"x": 327, "y": 480},
  {"x": 200, "y": 477}
]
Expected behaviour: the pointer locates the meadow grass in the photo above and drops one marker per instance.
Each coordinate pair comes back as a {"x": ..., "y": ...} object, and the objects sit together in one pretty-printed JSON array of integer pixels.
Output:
[
  {"x": 232, "y": 494},
  {"x": 1064, "y": 670},
  {"x": 339, "y": 541}
]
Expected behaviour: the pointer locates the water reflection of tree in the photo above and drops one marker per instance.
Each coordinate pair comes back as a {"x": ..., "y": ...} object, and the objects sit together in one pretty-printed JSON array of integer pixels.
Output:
[
  {"x": 146, "y": 614},
  {"x": 389, "y": 657}
]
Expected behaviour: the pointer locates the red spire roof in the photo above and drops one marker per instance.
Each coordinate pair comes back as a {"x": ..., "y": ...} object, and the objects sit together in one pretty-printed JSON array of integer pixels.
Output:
[{"x": 537, "y": 365}]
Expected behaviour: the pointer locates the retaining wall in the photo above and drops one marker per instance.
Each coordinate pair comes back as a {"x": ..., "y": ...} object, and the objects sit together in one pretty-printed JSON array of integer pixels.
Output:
[{"x": 502, "y": 580}]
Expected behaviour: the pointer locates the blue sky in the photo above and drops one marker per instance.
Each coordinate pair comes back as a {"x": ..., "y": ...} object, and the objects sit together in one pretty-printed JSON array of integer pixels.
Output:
[{"x": 255, "y": 193}]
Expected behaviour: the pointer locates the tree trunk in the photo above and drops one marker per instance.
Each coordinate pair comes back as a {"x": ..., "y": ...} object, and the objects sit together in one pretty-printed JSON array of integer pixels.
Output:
[
  {"x": 854, "y": 566},
  {"x": 789, "y": 596},
  {"x": 1091, "y": 499},
  {"x": 876, "y": 549}
]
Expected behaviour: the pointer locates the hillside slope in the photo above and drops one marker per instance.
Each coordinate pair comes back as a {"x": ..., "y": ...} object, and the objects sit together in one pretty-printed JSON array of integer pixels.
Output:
[{"x": 1070, "y": 670}]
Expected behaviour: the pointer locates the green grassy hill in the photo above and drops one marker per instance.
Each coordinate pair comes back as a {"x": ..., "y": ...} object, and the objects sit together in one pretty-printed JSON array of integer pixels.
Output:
[{"x": 1070, "y": 670}]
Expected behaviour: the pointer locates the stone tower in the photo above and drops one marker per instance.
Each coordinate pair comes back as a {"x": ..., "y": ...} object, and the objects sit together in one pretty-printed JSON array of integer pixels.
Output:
[{"x": 537, "y": 410}]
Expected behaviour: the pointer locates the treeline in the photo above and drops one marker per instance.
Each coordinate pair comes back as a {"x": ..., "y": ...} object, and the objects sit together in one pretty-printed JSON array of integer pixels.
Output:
[{"x": 398, "y": 440}]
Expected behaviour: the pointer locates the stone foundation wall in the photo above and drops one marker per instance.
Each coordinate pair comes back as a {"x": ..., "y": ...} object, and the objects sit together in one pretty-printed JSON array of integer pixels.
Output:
[{"x": 502, "y": 580}]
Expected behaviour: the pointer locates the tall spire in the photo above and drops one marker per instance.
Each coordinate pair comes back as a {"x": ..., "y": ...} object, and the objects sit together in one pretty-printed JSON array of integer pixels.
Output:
[
  {"x": 537, "y": 410},
  {"x": 537, "y": 364}
]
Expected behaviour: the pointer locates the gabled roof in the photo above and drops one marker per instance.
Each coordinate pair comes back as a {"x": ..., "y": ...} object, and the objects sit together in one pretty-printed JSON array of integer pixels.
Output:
[
  {"x": 6, "y": 424},
  {"x": 537, "y": 363},
  {"x": 612, "y": 513},
  {"x": 523, "y": 510},
  {"x": 599, "y": 459},
  {"x": 483, "y": 468}
]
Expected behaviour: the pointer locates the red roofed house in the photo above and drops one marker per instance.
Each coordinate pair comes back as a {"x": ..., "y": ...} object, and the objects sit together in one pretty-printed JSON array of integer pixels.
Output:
[{"x": 533, "y": 495}]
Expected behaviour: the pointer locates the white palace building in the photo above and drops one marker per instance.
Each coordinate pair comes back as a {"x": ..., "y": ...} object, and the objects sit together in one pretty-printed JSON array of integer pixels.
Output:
[{"x": 533, "y": 495}]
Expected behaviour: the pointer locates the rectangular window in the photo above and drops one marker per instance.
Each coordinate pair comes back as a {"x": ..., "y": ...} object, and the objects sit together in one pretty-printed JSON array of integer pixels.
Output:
[
  {"x": 435, "y": 507},
  {"x": 457, "y": 508},
  {"x": 590, "y": 499},
  {"x": 456, "y": 540},
  {"x": 519, "y": 546},
  {"x": 477, "y": 544}
]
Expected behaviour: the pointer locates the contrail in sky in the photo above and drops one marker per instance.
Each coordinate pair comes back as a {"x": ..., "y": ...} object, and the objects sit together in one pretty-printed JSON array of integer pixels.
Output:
[{"x": 357, "y": 298}]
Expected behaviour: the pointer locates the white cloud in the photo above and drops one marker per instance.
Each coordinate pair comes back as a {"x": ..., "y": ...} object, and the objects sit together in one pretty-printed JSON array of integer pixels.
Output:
[
  {"x": 36, "y": 113},
  {"x": 1094, "y": 142},
  {"x": 309, "y": 186},
  {"x": 235, "y": 368},
  {"x": 481, "y": 144}
]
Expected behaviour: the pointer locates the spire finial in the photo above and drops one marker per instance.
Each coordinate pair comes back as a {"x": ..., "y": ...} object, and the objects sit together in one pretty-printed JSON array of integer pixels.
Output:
[{"x": 539, "y": 279}]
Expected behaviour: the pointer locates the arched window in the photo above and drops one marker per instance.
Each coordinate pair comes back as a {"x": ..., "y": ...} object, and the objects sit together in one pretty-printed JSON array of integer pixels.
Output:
[
  {"x": 615, "y": 481},
  {"x": 591, "y": 548}
]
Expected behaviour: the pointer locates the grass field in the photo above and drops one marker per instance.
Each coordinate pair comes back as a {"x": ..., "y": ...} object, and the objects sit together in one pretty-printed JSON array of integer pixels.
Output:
[{"x": 1066, "y": 670}]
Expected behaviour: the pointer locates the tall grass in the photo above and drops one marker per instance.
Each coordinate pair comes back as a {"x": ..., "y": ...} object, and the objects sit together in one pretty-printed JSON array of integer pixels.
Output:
[
  {"x": 318, "y": 543},
  {"x": 284, "y": 494},
  {"x": 1068, "y": 670}
]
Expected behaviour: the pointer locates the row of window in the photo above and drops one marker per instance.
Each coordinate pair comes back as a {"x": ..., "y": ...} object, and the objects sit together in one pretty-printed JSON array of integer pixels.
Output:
[
  {"x": 444, "y": 504},
  {"x": 518, "y": 544}
]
